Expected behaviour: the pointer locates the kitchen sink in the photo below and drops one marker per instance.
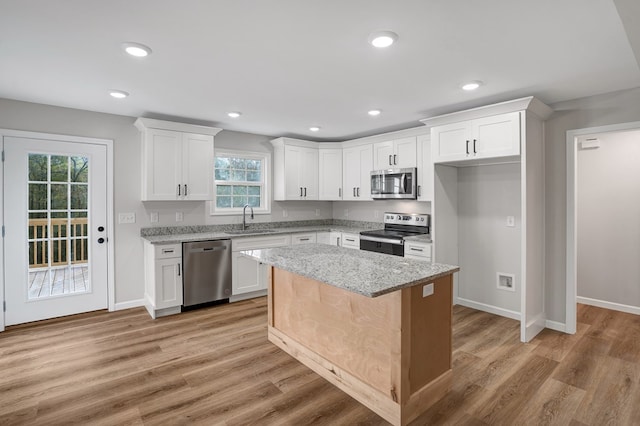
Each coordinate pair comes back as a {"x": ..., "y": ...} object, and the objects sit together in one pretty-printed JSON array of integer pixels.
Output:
[{"x": 250, "y": 231}]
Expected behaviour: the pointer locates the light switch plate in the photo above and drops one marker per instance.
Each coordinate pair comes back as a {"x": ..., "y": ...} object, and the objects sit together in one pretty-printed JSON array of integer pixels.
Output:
[
  {"x": 153, "y": 217},
  {"x": 511, "y": 221},
  {"x": 427, "y": 290},
  {"x": 126, "y": 218}
]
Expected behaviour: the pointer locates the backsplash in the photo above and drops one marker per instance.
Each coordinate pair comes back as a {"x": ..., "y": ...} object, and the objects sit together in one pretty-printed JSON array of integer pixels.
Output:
[{"x": 171, "y": 230}]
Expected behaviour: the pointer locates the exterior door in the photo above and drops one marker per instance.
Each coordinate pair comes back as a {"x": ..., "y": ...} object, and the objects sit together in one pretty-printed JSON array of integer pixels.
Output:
[{"x": 55, "y": 212}]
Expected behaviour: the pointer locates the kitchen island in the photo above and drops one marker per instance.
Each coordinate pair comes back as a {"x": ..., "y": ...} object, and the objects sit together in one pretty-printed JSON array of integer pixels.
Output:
[{"x": 376, "y": 326}]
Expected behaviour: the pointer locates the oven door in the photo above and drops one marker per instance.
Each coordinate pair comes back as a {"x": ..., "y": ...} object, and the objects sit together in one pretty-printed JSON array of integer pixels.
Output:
[
  {"x": 393, "y": 184},
  {"x": 382, "y": 245}
]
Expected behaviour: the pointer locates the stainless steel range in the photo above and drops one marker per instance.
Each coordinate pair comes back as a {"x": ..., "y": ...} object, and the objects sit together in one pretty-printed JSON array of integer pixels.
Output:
[{"x": 397, "y": 227}]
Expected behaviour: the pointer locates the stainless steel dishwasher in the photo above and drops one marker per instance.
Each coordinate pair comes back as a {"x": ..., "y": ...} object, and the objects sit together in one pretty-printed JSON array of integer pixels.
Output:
[{"x": 207, "y": 271}]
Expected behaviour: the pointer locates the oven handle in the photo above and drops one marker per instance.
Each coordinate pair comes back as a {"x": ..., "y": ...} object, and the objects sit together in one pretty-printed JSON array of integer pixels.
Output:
[{"x": 381, "y": 240}]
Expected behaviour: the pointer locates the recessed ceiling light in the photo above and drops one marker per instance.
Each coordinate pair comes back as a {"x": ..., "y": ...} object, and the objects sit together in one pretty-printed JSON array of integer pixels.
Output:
[
  {"x": 374, "y": 112},
  {"x": 472, "y": 85},
  {"x": 314, "y": 129},
  {"x": 383, "y": 38},
  {"x": 118, "y": 94},
  {"x": 136, "y": 49},
  {"x": 234, "y": 114}
]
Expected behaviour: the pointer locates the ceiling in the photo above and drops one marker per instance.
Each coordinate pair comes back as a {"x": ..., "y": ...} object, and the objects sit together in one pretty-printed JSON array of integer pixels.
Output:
[{"x": 290, "y": 64}]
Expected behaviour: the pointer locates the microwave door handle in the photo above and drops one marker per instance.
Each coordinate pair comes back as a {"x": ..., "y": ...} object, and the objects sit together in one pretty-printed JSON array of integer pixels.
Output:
[{"x": 404, "y": 183}]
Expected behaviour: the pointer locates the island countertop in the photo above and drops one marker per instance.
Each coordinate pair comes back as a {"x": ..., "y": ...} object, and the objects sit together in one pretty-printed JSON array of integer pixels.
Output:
[{"x": 368, "y": 273}]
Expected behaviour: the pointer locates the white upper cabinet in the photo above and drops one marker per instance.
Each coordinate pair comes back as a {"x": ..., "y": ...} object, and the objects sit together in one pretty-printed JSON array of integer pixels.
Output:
[
  {"x": 425, "y": 169},
  {"x": 481, "y": 138},
  {"x": 357, "y": 166},
  {"x": 399, "y": 153},
  {"x": 295, "y": 168},
  {"x": 330, "y": 174},
  {"x": 177, "y": 160}
]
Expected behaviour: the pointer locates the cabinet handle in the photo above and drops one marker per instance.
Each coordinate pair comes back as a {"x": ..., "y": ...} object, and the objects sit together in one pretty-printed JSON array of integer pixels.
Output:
[
  {"x": 348, "y": 239},
  {"x": 305, "y": 191},
  {"x": 467, "y": 147},
  {"x": 338, "y": 241},
  {"x": 179, "y": 267},
  {"x": 185, "y": 189},
  {"x": 339, "y": 192},
  {"x": 474, "y": 146},
  {"x": 301, "y": 191},
  {"x": 179, "y": 191},
  {"x": 390, "y": 160},
  {"x": 419, "y": 187},
  {"x": 395, "y": 162},
  {"x": 415, "y": 249},
  {"x": 165, "y": 251},
  {"x": 354, "y": 191},
  {"x": 305, "y": 239},
  {"x": 358, "y": 191}
]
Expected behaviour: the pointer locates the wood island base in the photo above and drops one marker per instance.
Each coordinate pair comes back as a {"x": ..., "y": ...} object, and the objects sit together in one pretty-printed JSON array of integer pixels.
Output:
[{"x": 392, "y": 353}]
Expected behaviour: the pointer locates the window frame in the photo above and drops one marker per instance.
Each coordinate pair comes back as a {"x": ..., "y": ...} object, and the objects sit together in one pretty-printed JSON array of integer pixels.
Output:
[{"x": 265, "y": 198}]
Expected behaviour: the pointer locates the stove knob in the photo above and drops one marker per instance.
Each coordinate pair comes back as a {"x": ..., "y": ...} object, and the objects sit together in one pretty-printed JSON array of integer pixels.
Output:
[{"x": 399, "y": 217}]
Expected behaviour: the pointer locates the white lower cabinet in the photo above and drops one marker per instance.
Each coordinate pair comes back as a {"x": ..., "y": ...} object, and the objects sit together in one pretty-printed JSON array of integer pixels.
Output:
[
  {"x": 163, "y": 279},
  {"x": 306, "y": 238},
  {"x": 351, "y": 240},
  {"x": 332, "y": 238},
  {"x": 247, "y": 274},
  {"x": 417, "y": 251}
]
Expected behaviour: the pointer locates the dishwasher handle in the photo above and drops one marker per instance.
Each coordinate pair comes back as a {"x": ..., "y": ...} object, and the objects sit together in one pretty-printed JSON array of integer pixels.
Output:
[{"x": 207, "y": 249}]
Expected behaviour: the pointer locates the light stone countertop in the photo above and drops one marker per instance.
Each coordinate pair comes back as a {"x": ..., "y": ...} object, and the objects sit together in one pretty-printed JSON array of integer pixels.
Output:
[
  {"x": 368, "y": 273},
  {"x": 205, "y": 236}
]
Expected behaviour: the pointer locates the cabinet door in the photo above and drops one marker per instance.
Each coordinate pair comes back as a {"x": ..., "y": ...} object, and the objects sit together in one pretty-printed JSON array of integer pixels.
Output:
[
  {"x": 383, "y": 155},
  {"x": 293, "y": 158},
  {"x": 162, "y": 167},
  {"x": 451, "y": 142},
  {"x": 323, "y": 238},
  {"x": 309, "y": 173},
  {"x": 330, "y": 174},
  {"x": 168, "y": 276},
  {"x": 365, "y": 157},
  {"x": 425, "y": 169},
  {"x": 404, "y": 151},
  {"x": 497, "y": 136},
  {"x": 351, "y": 241},
  {"x": 246, "y": 275},
  {"x": 351, "y": 173},
  {"x": 197, "y": 167}
]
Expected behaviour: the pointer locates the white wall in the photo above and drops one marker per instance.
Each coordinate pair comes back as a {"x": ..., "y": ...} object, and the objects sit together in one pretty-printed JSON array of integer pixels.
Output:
[
  {"x": 609, "y": 219},
  {"x": 372, "y": 211},
  {"x": 486, "y": 196},
  {"x": 601, "y": 110},
  {"x": 129, "y": 275}
]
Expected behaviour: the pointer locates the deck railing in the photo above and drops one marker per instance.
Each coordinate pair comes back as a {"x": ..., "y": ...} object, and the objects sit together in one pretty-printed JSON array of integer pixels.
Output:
[{"x": 65, "y": 240}]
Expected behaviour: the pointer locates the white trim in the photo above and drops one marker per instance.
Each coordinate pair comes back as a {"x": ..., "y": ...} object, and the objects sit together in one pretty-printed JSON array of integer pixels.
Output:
[
  {"x": 609, "y": 305},
  {"x": 128, "y": 304},
  {"x": 489, "y": 308},
  {"x": 246, "y": 296},
  {"x": 571, "y": 259},
  {"x": 557, "y": 326},
  {"x": 108, "y": 143},
  {"x": 265, "y": 157},
  {"x": 151, "y": 123}
]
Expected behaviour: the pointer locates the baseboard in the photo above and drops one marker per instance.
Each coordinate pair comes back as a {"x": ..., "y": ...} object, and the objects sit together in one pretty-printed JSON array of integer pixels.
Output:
[
  {"x": 129, "y": 304},
  {"x": 609, "y": 305},
  {"x": 555, "y": 325},
  {"x": 488, "y": 308},
  {"x": 245, "y": 296}
]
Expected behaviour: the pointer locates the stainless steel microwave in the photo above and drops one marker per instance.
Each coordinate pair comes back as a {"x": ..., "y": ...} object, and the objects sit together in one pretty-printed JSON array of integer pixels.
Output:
[{"x": 394, "y": 184}]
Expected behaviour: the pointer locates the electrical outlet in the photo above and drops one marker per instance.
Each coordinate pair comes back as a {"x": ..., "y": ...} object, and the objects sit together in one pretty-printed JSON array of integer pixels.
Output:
[
  {"x": 317, "y": 212},
  {"x": 511, "y": 221},
  {"x": 153, "y": 217},
  {"x": 376, "y": 214},
  {"x": 126, "y": 218},
  {"x": 179, "y": 216},
  {"x": 506, "y": 281},
  {"x": 285, "y": 213},
  {"x": 346, "y": 212},
  {"x": 427, "y": 290}
]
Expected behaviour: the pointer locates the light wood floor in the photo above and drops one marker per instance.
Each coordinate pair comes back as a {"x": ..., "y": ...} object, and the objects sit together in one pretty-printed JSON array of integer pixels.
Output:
[{"x": 215, "y": 366}]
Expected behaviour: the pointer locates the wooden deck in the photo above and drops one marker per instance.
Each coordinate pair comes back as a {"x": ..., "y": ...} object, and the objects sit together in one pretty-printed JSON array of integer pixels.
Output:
[{"x": 58, "y": 281}]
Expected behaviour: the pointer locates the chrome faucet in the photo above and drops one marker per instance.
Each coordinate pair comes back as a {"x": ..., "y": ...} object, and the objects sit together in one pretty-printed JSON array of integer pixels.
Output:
[{"x": 244, "y": 216}]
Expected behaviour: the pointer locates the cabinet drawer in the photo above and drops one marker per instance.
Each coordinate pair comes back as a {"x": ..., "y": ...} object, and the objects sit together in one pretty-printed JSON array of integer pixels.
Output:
[
  {"x": 253, "y": 243},
  {"x": 303, "y": 238},
  {"x": 167, "y": 251},
  {"x": 351, "y": 241},
  {"x": 417, "y": 250}
]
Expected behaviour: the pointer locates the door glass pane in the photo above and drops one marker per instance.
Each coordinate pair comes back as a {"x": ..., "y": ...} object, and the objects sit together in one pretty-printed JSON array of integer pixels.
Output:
[{"x": 58, "y": 225}]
